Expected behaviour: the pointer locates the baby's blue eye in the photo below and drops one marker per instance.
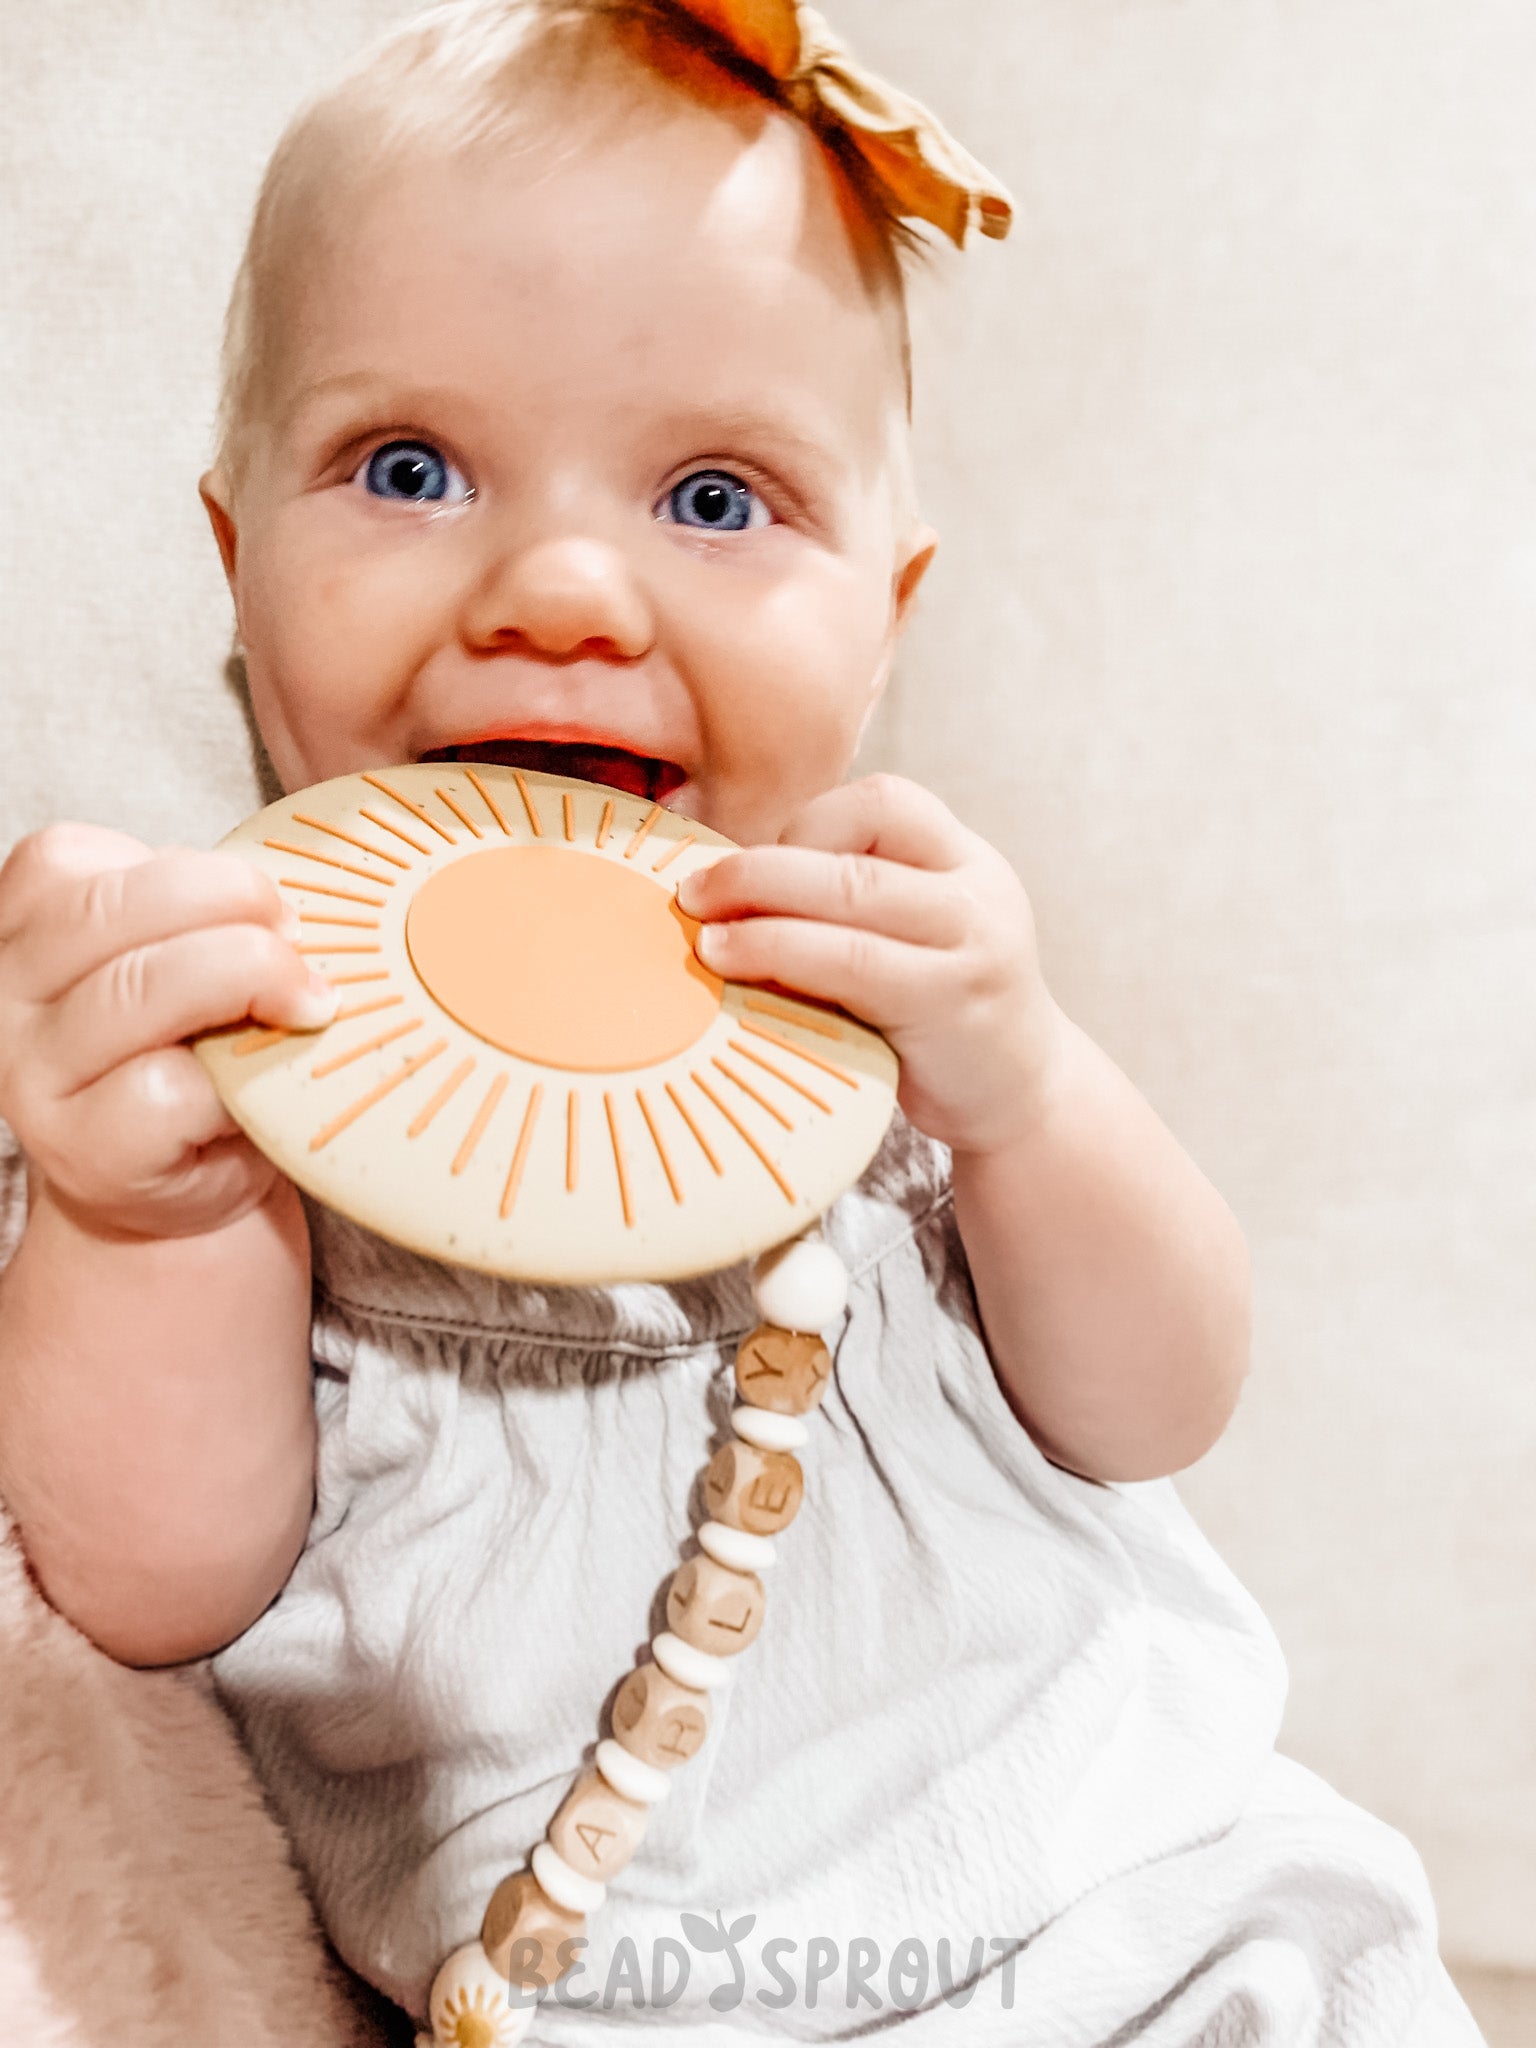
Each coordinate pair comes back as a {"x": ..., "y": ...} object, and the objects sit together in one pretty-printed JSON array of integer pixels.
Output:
[
  {"x": 413, "y": 473},
  {"x": 716, "y": 502}
]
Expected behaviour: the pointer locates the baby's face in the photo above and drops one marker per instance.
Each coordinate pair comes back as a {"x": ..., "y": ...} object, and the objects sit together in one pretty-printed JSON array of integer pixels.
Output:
[{"x": 602, "y": 450}]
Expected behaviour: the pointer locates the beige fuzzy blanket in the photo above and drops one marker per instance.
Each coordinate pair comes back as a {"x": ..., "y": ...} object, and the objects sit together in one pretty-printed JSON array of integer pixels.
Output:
[{"x": 147, "y": 1896}]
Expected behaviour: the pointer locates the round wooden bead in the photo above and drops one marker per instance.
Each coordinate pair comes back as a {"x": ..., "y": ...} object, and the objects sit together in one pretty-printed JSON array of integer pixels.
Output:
[
  {"x": 567, "y": 1887},
  {"x": 735, "y": 1549},
  {"x": 625, "y": 1773},
  {"x": 768, "y": 1431},
  {"x": 759, "y": 1491},
  {"x": 597, "y": 1830},
  {"x": 713, "y": 1608},
  {"x": 523, "y": 1930},
  {"x": 700, "y": 1669},
  {"x": 785, "y": 1370},
  {"x": 470, "y": 2004},
  {"x": 658, "y": 1720},
  {"x": 801, "y": 1286}
]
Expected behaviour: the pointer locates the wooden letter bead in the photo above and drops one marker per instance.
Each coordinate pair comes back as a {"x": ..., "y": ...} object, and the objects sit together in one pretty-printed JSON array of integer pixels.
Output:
[
  {"x": 759, "y": 1491},
  {"x": 658, "y": 1720},
  {"x": 785, "y": 1370},
  {"x": 714, "y": 1609},
  {"x": 596, "y": 1830},
  {"x": 522, "y": 1932}
]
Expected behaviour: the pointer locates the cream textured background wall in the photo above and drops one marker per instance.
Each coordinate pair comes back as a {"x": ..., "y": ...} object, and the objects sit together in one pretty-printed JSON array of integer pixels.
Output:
[{"x": 1230, "y": 649}]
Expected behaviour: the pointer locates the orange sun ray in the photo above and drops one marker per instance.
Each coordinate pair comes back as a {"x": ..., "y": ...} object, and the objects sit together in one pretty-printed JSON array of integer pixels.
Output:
[
  {"x": 524, "y": 1138},
  {"x": 375, "y": 1094},
  {"x": 661, "y": 1150},
  {"x": 742, "y": 1132},
  {"x": 352, "y": 1010},
  {"x": 357, "y": 1052},
  {"x": 606, "y": 823},
  {"x": 642, "y": 831},
  {"x": 791, "y": 1017},
  {"x": 533, "y": 816},
  {"x": 462, "y": 815},
  {"x": 678, "y": 846},
  {"x": 405, "y": 803},
  {"x": 747, "y": 1089},
  {"x": 399, "y": 831},
  {"x": 483, "y": 1115},
  {"x": 779, "y": 1074},
  {"x": 618, "y": 1159},
  {"x": 704, "y": 1145},
  {"x": 348, "y": 867},
  {"x": 788, "y": 1045},
  {"x": 349, "y": 838},
  {"x": 489, "y": 801},
  {"x": 450, "y": 1088},
  {"x": 321, "y": 889}
]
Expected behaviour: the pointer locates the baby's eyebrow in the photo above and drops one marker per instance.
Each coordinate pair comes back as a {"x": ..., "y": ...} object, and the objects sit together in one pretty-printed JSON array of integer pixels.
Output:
[
  {"x": 365, "y": 386},
  {"x": 767, "y": 432}
]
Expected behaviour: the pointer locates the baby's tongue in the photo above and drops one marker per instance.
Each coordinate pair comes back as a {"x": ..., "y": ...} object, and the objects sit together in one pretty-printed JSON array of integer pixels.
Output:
[{"x": 580, "y": 759}]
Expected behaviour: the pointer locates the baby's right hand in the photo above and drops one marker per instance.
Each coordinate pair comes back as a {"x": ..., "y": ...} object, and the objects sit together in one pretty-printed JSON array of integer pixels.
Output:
[{"x": 111, "y": 954}]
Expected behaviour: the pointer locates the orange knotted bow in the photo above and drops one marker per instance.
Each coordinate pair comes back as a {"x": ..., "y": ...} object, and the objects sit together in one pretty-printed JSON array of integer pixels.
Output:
[{"x": 925, "y": 171}]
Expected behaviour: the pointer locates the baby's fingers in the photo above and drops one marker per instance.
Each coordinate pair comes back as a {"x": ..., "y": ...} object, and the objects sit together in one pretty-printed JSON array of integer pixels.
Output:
[
  {"x": 80, "y": 918},
  {"x": 150, "y": 1146},
  {"x": 156, "y": 995},
  {"x": 887, "y": 982},
  {"x": 840, "y": 888}
]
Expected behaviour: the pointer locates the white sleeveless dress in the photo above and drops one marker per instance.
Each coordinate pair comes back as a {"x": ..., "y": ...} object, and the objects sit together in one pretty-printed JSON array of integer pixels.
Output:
[{"x": 999, "y": 1768}]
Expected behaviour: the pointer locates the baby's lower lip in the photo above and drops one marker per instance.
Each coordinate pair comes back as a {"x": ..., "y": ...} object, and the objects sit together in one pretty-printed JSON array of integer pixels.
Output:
[{"x": 585, "y": 761}]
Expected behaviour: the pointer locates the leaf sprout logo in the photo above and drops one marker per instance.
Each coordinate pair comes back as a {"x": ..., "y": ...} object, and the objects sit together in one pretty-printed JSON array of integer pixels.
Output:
[{"x": 714, "y": 1938}]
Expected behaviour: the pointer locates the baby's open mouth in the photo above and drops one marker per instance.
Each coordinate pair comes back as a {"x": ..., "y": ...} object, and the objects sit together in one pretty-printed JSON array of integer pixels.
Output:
[{"x": 584, "y": 760}]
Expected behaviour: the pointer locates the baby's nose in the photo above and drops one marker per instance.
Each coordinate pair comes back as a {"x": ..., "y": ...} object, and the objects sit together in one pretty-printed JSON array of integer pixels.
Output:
[{"x": 561, "y": 596}]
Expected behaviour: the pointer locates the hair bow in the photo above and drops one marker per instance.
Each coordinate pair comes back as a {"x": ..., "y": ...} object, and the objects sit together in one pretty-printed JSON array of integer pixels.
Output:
[{"x": 923, "y": 169}]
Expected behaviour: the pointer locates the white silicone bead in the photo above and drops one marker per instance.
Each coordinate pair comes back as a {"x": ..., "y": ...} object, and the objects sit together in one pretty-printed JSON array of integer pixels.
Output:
[
  {"x": 631, "y": 1776},
  {"x": 469, "y": 1984},
  {"x": 687, "y": 1665},
  {"x": 800, "y": 1286},
  {"x": 737, "y": 1549},
  {"x": 567, "y": 1887},
  {"x": 770, "y": 1432}
]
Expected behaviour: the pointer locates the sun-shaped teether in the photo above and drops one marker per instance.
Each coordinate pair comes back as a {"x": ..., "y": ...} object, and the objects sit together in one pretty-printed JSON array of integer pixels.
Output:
[{"x": 532, "y": 1072}]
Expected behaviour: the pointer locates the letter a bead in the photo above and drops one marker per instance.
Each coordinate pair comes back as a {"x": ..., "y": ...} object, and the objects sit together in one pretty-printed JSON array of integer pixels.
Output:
[
  {"x": 714, "y": 1609},
  {"x": 759, "y": 1491},
  {"x": 658, "y": 1720},
  {"x": 596, "y": 1829}
]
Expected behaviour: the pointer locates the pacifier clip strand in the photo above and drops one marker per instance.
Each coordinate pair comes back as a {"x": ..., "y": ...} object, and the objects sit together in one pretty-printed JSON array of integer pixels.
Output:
[{"x": 661, "y": 1714}]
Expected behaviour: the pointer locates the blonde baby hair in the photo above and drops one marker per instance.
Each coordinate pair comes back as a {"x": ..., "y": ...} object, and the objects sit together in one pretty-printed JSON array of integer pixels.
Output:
[{"x": 471, "y": 76}]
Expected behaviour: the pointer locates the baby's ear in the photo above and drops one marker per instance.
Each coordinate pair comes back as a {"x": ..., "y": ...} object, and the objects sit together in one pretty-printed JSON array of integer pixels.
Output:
[
  {"x": 215, "y": 494},
  {"x": 918, "y": 550}
]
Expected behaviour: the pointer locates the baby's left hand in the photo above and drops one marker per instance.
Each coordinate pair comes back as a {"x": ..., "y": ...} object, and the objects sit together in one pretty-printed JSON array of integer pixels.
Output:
[{"x": 876, "y": 897}]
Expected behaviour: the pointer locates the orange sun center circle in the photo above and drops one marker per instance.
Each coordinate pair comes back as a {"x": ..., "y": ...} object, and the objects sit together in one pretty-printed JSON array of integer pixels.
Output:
[{"x": 561, "y": 957}]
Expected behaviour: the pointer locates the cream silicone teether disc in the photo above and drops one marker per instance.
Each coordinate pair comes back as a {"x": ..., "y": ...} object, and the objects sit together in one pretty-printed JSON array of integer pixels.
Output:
[{"x": 532, "y": 1073}]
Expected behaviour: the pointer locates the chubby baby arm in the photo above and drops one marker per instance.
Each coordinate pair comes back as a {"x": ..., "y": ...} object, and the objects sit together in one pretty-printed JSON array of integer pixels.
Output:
[
  {"x": 156, "y": 1417},
  {"x": 1111, "y": 1277}
]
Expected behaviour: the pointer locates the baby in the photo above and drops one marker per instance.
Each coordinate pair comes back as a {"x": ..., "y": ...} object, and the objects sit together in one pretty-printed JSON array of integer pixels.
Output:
[{"x": 566, "y": 425}]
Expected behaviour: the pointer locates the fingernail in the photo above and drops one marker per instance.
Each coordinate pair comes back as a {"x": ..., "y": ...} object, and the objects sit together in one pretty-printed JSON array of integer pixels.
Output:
[
  {"x": 289, "y": 926},
  {"x": 687, "y": 893},
  {"x": 316, "y": 1005},
  {"x": 710, "y": 944}
]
